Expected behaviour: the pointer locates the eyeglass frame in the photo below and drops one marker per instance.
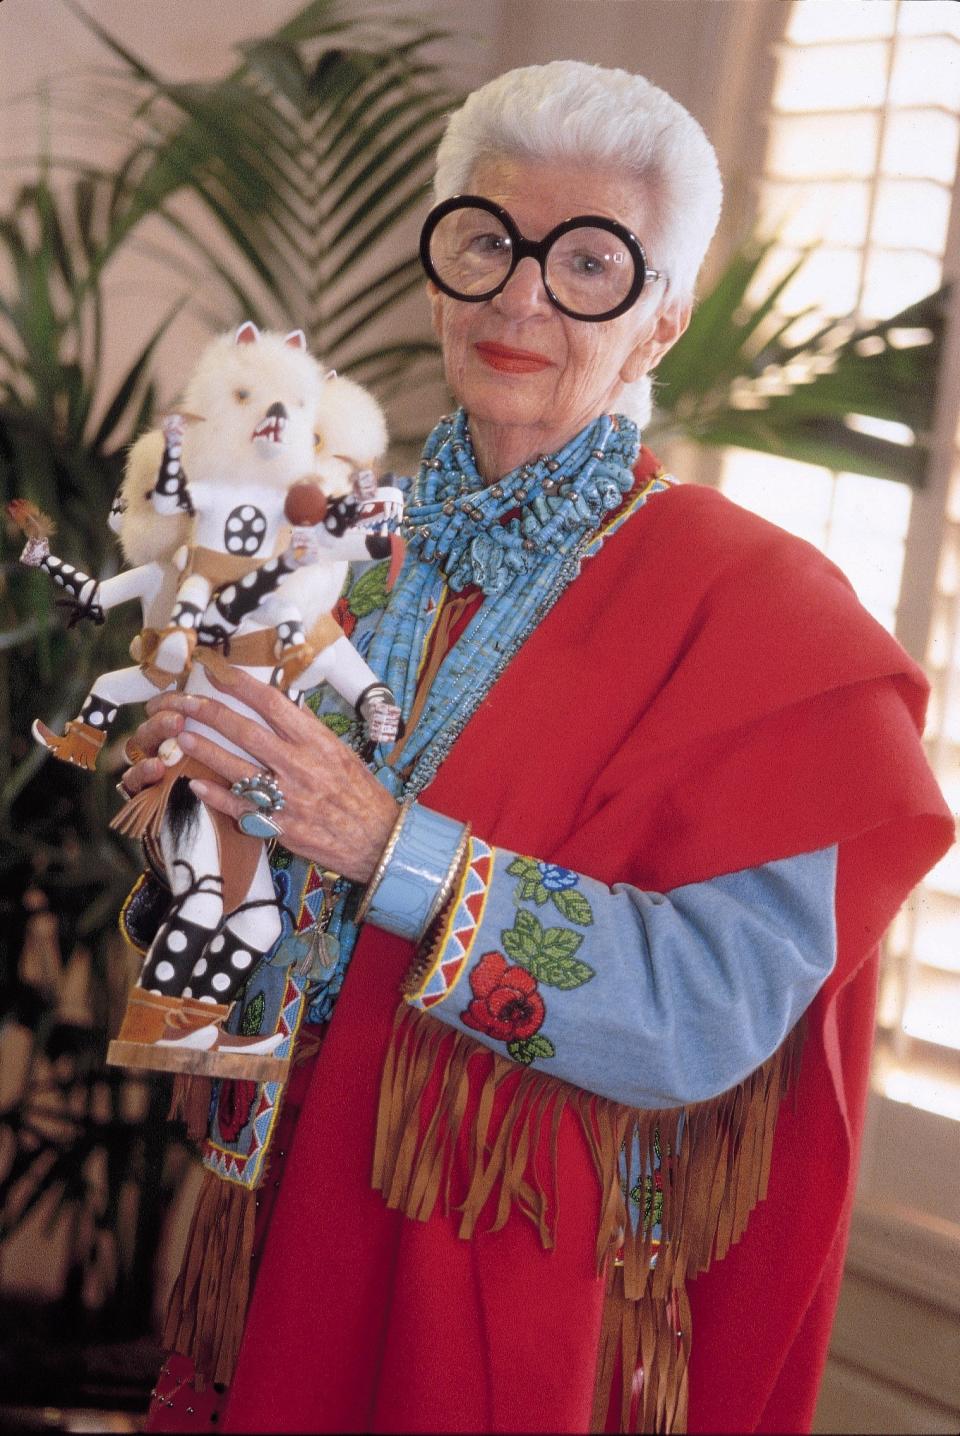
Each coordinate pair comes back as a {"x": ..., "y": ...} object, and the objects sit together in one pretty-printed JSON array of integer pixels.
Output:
[{"x": 538, "y": 249}]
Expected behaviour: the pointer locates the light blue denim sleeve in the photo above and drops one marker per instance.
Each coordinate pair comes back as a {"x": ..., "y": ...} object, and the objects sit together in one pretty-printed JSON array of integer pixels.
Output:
[{"x": 652, "y": 999}]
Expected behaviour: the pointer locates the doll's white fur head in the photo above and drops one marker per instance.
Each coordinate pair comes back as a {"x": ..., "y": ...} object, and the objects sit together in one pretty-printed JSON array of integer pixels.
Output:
[{"x": 250, "y": 406}]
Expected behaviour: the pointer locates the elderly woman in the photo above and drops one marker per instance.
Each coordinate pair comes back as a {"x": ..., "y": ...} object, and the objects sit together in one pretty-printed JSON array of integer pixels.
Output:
[{"x": 658, "y": 793}]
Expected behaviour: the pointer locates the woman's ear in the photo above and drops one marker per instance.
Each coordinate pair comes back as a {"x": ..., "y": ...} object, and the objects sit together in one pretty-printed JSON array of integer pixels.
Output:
[{"x": 646, "y": 355}]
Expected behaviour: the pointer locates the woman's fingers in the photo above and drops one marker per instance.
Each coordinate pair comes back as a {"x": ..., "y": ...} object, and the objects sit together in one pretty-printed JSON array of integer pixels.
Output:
[
  {"x": 229, "y": 765},
  {"x": 163, "y": 723},
  {"x": 214, "y": 796},
  {"x": 283, "y": 716},
  {"x": 141, "y": 775}
]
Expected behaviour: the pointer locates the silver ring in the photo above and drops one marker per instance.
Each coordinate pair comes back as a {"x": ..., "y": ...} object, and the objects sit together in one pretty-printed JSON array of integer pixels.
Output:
[
  {"x": 258, "y": 825},
  {"x": 122, "y": 791},
  {"x": 261, "y": 789}
]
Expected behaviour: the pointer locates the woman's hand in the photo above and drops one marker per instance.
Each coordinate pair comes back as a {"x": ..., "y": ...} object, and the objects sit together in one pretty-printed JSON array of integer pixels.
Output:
[{"x": 336, "y": 813}]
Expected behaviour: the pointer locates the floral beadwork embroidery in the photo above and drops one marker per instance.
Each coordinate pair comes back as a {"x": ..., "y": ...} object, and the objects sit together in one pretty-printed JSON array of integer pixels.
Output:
[
  {"x": 507, "y": 1002},
  {"x": 507, "y": 1006},
  {"x": 547, "y": 882},
  {"x": 235, "y": 1107}
]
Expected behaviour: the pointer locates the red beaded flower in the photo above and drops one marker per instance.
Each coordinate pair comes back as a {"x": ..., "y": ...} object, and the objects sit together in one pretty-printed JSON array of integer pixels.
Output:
[{"x": 506, "y": 1004}]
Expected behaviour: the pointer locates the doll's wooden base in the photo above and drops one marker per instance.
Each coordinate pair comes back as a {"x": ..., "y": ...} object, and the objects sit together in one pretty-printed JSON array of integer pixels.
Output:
[{"x": 147, "y": 1056}]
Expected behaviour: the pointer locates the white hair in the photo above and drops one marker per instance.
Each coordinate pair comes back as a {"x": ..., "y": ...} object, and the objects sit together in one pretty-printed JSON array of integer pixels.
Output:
[{"x": 569, "y": 110}]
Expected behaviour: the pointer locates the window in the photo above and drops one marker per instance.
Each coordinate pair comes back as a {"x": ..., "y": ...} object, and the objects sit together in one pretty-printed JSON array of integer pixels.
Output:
[{"x": 861, "y": 162}]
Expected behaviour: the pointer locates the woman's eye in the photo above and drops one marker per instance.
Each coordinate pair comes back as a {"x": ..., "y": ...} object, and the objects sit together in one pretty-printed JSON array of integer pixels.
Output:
[
  {"x": 241, "y": 395},
  {"x": 586, "y": 264},
  {"x": 489, "y": 243}
]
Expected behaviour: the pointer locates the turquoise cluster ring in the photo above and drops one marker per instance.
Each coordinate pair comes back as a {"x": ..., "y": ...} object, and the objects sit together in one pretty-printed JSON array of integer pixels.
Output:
[{"x": 263, "y": 790}]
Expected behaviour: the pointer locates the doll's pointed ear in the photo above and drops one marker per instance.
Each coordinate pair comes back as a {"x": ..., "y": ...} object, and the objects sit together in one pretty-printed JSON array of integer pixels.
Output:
[
  {"x": 296, "y": 339},
  {"x": 248, "y": 333},
  {"x": 330, "y": 374}
]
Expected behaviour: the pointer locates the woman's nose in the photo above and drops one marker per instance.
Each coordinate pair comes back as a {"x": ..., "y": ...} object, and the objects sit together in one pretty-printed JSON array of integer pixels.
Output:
[{"x": 523, "y": 294}]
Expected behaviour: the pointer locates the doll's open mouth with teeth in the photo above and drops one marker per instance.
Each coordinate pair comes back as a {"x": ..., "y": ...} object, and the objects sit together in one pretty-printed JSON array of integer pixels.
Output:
[{"x": 271, "y": 427}]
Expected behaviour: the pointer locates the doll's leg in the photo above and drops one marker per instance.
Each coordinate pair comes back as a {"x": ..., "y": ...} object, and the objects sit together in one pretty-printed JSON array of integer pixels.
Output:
[
  {"x": 158, "y": 1014},
  {"x": 86, "y": 734},
  {"x": 340, "y": 665},
  {"x": 180, "y": 635},
  {"x": 233, "y": 602},
  {"x": 230, "y": 956}
]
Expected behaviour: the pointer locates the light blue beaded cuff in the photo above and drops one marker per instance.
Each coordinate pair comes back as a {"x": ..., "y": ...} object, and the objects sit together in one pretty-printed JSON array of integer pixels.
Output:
[{"x": 427, "y": 848}]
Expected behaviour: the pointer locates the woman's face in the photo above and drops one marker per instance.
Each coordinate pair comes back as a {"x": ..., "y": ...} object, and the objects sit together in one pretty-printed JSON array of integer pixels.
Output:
[{"x": 529, "y": 376}]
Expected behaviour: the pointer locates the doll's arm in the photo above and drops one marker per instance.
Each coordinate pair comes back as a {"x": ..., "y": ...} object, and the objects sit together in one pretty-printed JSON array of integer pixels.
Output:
[{"x": 171, "y": 493}]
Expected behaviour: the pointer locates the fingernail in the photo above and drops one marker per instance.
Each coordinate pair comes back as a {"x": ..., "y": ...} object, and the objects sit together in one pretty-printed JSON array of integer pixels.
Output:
[
  {"x": 198, "y": 788},
  {"x": 187, "y": 741},
  {"x": 189, "y": 703}
]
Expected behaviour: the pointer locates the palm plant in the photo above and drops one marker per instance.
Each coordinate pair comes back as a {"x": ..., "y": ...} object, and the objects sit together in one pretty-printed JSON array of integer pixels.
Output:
[{"x": 848, "y": 396}]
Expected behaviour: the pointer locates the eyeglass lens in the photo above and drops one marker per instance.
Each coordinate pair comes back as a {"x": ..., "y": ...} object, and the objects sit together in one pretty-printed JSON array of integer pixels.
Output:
[{"x": 589, "y": 270}]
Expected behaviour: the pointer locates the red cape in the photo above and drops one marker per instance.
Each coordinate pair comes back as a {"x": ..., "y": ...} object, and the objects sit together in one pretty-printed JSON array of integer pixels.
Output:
[{"x": 707, "y": 696}]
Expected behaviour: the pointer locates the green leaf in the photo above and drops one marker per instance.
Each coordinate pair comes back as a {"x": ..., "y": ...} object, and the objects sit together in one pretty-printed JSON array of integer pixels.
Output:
[
  {"x": 338, "y": 723},
  {"x": 557, "y": 970},
  {"x": 526, "y": 1049},
  {"x": 561, "y": 942},
  {"x": 572, "y": 905},
  {"x": 523, "y": 868},
  {"x": 370, "y": 591},
  {"x": 252, "y": 1019},
  {"x": 523, "y": 941}
]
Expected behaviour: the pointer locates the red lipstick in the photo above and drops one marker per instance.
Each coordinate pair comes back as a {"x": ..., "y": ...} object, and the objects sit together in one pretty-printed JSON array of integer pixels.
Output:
[{"x": 511, "y": 361}]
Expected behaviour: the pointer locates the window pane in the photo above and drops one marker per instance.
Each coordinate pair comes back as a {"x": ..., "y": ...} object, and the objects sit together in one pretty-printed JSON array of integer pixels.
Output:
[
  {"x": 841, "y": 77},
  {"x": 812, "y": 20},
  {"x": 810, "y": 213},
  {"x": 894, "y": 279},
  {"x": 929, "y": 17},
  {"x": 795, "y": 496},
  {"x": 823, "y": 146},
  {"x": 830, "y": 279},
  {"x": 911, "y": 212},
  {"x": 921, "y": 143},
  {"x": 926, "y": 72},
  {"x": 933, "y": 1007}
]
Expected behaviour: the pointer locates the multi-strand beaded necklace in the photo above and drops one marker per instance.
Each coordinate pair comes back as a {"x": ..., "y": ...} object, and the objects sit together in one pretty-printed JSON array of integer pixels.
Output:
[{"x": 521, "y": 540}]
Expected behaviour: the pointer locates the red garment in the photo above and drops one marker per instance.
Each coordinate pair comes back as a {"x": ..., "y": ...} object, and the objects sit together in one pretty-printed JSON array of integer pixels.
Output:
[{"x": 708, "y": 696}]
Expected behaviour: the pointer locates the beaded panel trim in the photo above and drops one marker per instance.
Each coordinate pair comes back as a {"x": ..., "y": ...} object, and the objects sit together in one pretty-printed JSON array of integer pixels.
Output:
[
  {"x": 434, "y": 977},
  {"x": 245, "y": 1167}
]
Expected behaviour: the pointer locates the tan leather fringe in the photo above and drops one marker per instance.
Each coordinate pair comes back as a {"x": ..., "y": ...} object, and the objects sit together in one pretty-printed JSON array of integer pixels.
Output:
[
  {"x": 208, "y": 1304},
  {"x": 190, "y": 1103},
  {"x": 715, "y": 1167},
  {"x": 143, "y": 815}
]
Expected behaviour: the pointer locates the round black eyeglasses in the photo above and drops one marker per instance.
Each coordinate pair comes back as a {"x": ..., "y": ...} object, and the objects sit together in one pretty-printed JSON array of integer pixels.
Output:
[{"x": 593, "y": 268}]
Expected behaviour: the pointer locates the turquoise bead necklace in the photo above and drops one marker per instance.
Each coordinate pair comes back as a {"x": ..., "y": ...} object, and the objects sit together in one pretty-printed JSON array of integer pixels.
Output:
[{"x": 461, "y": 530}]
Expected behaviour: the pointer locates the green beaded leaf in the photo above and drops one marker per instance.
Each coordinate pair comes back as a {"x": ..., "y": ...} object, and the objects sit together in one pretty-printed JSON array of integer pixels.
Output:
[
  {"x": 338, "y": 723},
  {"x": 525, "y": 1049},
  {"x": 523, "y": 941},
  {"x": 546, "y": 952},
  {"x": 252, "y": 1018},
  {"x": 572, "y": 905},
  {"x": 523, "y": 867},
  {"x": 370, "y": 591},
  {"x": 556, "y": 970},
  {"x": 530, "y": 887}
]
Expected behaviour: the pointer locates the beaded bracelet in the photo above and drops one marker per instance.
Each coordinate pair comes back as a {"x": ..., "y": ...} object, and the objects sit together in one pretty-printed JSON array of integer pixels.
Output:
[{"x": 415, "y": 873}]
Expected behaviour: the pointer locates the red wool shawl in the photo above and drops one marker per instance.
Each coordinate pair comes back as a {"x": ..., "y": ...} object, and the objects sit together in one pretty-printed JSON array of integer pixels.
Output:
[{"x": 707, "y": 696}]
